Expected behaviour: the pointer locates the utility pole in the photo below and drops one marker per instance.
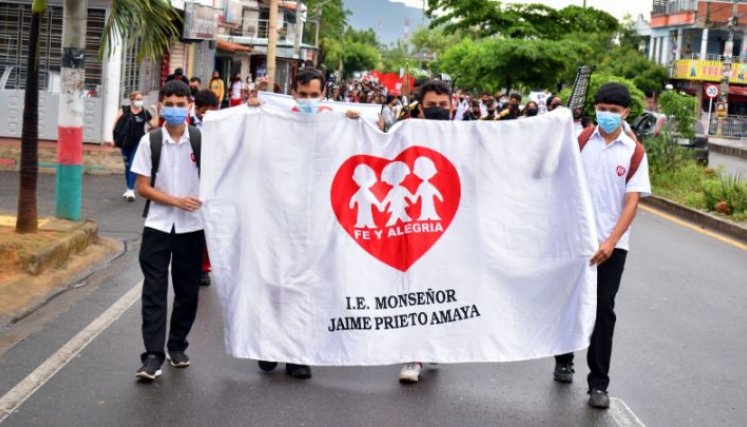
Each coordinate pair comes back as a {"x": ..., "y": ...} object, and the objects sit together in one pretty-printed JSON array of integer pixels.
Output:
[
  {"x": 723, "y": 109},
  {"x": 69, "y": 177},
  {"x": 272, "y": 43},
  {"x": 298, "y": 39}
]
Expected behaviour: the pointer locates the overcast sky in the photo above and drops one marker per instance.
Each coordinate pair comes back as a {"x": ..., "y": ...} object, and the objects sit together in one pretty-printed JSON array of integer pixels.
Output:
[{"x": 616, "y": 8}]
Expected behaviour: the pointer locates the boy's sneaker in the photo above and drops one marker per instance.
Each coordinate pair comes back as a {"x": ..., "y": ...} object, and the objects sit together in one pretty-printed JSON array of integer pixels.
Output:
[
  {"x": 178, "y": 359},
  {"x": 267, "y": 366},
  {"x": 410, "y": 373},
  {"x": 130, "y": 195},
  {"x": 205, "y": 279},
  {"x": 599, "y": 399},
  {"x": 298, "y": 371},
  {"x": 563, "y": 372},
  {"x": 151, "y": 368}
]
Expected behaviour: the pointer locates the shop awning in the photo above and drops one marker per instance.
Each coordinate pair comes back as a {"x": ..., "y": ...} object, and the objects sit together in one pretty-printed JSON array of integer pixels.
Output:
[{"x": 227, "y": 46}]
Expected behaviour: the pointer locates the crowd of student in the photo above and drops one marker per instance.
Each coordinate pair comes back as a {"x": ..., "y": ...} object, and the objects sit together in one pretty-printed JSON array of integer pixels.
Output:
[{"x": 173, "y": 231}]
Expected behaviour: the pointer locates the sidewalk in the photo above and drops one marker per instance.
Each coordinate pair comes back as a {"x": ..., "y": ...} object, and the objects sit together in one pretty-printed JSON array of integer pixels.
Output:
[
  {"x": 730, "y": 146},
  {"x": 97, "y": 159}
]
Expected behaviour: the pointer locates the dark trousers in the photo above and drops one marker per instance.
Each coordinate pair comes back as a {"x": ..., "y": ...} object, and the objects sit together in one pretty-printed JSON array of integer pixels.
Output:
[
  {"x": 599, "y": 355},
  {"x": 184, "y": 251}
]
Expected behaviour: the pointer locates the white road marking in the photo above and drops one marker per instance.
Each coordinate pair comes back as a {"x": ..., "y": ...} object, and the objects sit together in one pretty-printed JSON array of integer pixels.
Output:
[
  {"x": 35, "y": 380},
  {"x": 623, "y": 415},
  {"x": 619, "y": 410}
]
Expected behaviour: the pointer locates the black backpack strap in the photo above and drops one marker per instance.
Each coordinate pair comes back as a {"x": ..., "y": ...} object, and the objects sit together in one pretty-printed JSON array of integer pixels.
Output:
[
  {"x": 195, "y": 140},
  {"x": 156, "y": 143}
]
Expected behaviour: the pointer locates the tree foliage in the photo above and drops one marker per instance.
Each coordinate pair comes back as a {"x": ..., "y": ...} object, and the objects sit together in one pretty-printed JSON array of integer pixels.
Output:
[
  {"x": 492, "y": 64},
  {"x": 637, "y": 106},
  {"x": 356, "y": 50},
  {"x": 648, "y": 76},
  {"x": 493, "y": 18},
  {"x": 150, "y": 24}
]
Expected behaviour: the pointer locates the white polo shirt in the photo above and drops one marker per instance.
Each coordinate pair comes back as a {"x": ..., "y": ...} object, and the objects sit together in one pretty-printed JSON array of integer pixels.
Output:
[
  {"x": 606, "y": 167},
  {"x": 178, "y": 176}
]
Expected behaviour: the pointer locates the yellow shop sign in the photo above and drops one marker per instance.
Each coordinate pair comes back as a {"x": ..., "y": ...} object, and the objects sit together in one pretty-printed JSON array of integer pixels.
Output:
[{"x": 708, "y": 71}]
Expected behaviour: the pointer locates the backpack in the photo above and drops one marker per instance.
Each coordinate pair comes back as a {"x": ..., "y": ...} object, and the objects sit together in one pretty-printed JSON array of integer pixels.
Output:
[
  {"x": 122, "y": 128},
  {"x": 156, "y": 143},
  {"x": 635, "y": 159}
]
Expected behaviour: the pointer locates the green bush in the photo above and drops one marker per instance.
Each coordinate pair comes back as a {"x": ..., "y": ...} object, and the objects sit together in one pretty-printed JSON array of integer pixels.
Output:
[{"x": 727, "y": 188}]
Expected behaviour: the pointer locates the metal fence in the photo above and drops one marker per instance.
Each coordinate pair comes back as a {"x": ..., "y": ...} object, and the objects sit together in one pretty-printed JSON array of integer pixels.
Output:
[
  {"x": 734, "y": 126},
  {"x": 674, "y": 6}
]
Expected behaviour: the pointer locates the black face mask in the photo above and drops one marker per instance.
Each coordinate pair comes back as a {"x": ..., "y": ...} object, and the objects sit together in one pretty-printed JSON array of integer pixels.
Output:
[
  {"x": 532, "y": 112},
  {"x": 437, "y": 113},
  {"x": 194, "y": 91}
]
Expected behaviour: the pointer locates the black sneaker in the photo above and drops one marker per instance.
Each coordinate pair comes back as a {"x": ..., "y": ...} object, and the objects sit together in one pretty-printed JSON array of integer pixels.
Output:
[
  {"x": 267, "y": 366},
  {"x": 563, "y": 372},
  {"x": 178, "y": 359},
  {"x": 151, "y": 368},
  {"x": 298, "y": 371},
  {"x": 205, "y": 279},
  {"x": 599, "y": 399}
]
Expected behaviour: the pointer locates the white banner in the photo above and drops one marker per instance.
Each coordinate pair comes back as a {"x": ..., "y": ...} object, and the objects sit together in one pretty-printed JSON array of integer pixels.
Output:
[
  {"x": 287, "y": 103},
  {"x": 333, "y": 243}
]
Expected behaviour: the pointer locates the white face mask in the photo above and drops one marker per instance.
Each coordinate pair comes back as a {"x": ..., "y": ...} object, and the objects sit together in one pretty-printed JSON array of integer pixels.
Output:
[{"x": 138, "y": 103}]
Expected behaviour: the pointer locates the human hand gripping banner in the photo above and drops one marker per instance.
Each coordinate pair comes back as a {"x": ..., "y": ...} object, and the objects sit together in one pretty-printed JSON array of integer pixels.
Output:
[{"x": 333, "y": 243}]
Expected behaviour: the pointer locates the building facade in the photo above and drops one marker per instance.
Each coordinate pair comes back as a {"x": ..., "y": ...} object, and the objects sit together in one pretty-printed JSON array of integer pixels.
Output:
[{"x": 691, "y": 38}]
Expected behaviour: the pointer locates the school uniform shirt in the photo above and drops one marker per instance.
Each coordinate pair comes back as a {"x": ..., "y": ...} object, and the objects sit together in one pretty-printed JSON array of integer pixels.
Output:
[
  {"x": 606, "y": 168},
  {"x": 178, "y": 176}
]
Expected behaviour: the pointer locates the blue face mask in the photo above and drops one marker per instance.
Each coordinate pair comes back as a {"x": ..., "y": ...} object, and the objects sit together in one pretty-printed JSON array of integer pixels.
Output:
[
  {"x": 609, "y": 122},
  {"x": 175, "y": 116},
  {"x": 309, "y": 106}
]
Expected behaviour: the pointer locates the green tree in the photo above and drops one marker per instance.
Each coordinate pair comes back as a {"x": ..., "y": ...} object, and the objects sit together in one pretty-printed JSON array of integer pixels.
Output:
[
  {"x": 356, "y": 50},
  {"x": 491, "y": 64},
  {"x": 27, "y": 220},
  {"x": 329, "y": 19},
  {"x": 493, "y": 18},
  {"x": 637, "y": 105},
  {"x": 627, "y": 62},
  {"x": 151, "y": 23}
]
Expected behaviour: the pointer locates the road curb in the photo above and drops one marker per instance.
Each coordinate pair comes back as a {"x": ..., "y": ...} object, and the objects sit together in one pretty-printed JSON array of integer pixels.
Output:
[
  {"x": 60, "y": 251},
  {"x": 702, "y": 218},
  {"x": 728, "y": 150}
]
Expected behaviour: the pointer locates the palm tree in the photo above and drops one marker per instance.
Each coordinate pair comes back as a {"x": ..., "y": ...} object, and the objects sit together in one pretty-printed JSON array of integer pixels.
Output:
[
  {"x": 27, "y": 218},
  {"x": 151, "y": 23}
]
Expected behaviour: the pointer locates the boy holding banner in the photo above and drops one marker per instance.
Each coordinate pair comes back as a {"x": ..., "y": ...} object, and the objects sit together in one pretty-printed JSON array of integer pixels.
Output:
[{"x": 617, "y": 173}]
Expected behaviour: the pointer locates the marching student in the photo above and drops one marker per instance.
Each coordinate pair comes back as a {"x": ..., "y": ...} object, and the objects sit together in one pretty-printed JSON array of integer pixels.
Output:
[
  {"x": 434, "y": 103},
  {"x": 616, "y": 169},
  {"x": 167, "y": 165},
  {"x": 309, "y": 91}
]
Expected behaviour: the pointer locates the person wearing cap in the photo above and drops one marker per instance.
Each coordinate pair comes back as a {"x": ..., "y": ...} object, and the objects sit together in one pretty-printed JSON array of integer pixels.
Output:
[{"x": 616, "y": 170}]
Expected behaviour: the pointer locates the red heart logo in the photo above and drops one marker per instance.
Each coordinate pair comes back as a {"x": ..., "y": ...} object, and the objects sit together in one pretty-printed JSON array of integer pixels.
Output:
[{"x": 396, "y": 209}]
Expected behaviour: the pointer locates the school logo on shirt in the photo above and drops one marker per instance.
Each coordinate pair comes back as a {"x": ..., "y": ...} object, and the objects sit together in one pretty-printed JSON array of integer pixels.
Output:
[
  {"x": 193, "y": 157},
  {"x": 397, "y": 209},
  {"x": 621, "y": 171}
]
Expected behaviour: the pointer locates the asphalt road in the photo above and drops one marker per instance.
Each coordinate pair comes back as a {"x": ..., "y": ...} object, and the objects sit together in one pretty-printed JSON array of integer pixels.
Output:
[
  {"x": 678, "y": 359},
  {"x": 731, "y": 165}
]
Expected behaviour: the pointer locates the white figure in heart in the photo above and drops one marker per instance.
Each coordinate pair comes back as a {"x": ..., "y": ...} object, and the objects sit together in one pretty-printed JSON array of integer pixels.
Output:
[
  {"x": 427, "y": 192},
  {"x": 365, "y": 177},
  {"x": 395, "y": 201}
]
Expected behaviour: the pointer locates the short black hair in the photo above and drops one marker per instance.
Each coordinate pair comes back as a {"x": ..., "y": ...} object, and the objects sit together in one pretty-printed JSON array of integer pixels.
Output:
[
  {"x": 179, "y": 72},
  {"x": 205, "y": 98},
  {"x": 306, "y": 76},
  {"x": 437, "y": 86},
  {"x": 613, "y": 93},
  {"x": 175, "y": 88},
  {"x": 550, "y": 99},
  {"x": 195, "y": 79},
  {"x": 515, "y": 96}
]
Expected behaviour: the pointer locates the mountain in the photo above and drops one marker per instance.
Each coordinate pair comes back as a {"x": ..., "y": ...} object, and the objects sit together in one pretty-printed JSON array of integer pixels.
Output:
[{"x": 389, "y": 19}]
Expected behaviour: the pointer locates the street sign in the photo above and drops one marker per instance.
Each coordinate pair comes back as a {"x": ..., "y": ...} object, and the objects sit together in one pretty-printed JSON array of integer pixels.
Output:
[{"x": 711, "y": 91}]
